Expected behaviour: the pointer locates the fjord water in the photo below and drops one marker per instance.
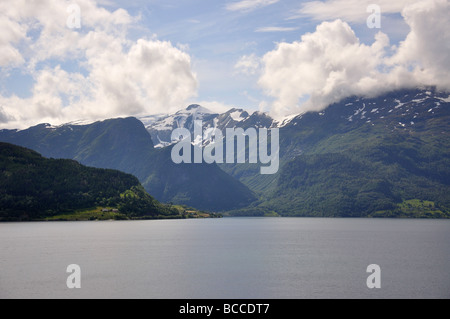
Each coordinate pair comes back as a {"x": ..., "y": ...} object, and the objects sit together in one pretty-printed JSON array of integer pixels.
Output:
[{"x": 267, "y": 258}]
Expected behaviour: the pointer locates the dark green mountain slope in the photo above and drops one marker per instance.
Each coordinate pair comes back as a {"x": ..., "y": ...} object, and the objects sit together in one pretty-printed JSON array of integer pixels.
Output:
[
  {"x": 114, "y": 144},
  {"x": 125, "y": 145},
  {"x": 346, "y": 184},
  {"x": 383, "y": 156},
  {"x": 34, "y": 188},
  {"x": 204, "y": 184},
  {"x": 388, "y": 156}
]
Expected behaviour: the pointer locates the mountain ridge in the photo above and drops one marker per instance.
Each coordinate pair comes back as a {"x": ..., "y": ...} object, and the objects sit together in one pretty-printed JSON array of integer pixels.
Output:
[
  {"x": 396, "y": 143},
  {"x": 382, "y": 154},
  {"x": 124, "y": 144}
]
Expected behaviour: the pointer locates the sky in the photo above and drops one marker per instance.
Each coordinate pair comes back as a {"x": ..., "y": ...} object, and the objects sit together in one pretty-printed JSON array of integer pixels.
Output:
[{"x": 64, "y": 61}]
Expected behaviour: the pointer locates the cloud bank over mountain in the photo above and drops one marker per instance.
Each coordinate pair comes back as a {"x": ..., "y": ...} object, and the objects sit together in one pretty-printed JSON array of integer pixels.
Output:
[
  {"x": 114, "y": 65},
  {"x": 331, "y": 63}
]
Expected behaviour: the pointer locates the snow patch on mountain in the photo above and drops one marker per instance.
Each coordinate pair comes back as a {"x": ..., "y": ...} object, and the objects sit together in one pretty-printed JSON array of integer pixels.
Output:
[
  {"x": 446, "y": 100},
  {"x": 401, "y": 109},
  {"x": 285, "y": 121},
  {"x": 73, "y": 123},
  {"x": 237, "y": 116}
]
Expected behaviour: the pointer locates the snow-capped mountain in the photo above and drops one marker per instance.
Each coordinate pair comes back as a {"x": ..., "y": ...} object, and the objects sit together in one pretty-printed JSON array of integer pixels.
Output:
[
  {"x": 124, "y": 144},
  {"x": 359, "y": 157},
  {"x": 396, "y": 110},
  {"x": 399, "y": 109},
  {"x": 161, "y": 128}
]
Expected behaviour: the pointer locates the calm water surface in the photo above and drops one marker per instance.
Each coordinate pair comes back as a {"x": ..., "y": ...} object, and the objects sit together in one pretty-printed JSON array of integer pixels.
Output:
[{"x": 227, "y": 258}]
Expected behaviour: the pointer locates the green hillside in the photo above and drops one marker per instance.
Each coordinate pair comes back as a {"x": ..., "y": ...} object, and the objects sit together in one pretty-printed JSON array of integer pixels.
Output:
[
  {"x": 125, "y": 145},
  {"x": 386, "y": 156},
  {"x": 364, "y": 158},
  {"x": 35, "y": 188}
]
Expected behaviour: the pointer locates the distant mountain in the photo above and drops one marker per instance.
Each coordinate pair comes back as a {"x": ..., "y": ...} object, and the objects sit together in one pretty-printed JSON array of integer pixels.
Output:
[
  {"x": 387, "y": 156},
  {"x": 383, "y": 156},
  {"x": 34, "y": 188},
  {"x": 125, "y": 145},
  {"x": 161, "y": 128}
]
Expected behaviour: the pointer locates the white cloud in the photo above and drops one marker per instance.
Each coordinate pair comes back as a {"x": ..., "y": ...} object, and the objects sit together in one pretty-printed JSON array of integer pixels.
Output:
[
  {"x": 426, "y": 49},
  {"x": 331, "y": 63},
  {"x": 4, "y": 118},
  {"x": 348, "y": 10},
  {"x": 325, "y": 66},
  {"x": 248, "y": 64},
  {"x": 115, "y": 76},
  {"x": 276, "y": 29},
  {"x": 216, "y": 106},
  {"x": 249, "y": 5},
  {"x": 12, "y": 34}
]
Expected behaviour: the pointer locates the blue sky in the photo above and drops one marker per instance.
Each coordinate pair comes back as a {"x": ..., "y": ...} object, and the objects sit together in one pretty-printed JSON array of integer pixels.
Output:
[
  {"x": 217, "y": 37},
  {"x": 149, "y": 57}
]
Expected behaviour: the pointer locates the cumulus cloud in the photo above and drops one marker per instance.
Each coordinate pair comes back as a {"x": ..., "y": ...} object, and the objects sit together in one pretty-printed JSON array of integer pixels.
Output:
[
  {"x": 12, "y": 34},
  {"x": 249, "y": 5},
  {"x": 114, "y": 76},
  {"x": 331, "y": 63},
  {"x": 151, "y": 76},
  {"x": 325, "y": 66},
  {"x": 426, "y": 49},
  {"x": 3, "y": 117}
]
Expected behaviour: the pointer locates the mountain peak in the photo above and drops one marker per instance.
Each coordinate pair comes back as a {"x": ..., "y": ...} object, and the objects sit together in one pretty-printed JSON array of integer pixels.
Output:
[
  {"x": 238, "y": 115},
  {"x": 193, "y": 107}
]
